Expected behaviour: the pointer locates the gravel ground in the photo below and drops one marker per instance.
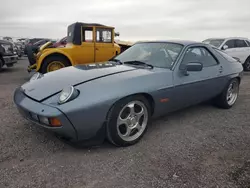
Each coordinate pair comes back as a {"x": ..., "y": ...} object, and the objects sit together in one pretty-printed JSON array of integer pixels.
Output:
[{"x": 201, "y": 146}]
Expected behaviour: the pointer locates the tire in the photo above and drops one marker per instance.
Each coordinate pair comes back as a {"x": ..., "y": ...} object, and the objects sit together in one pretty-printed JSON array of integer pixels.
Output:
[
  {"x": 30, "y": 54},
  {"x": 46, "y": 63},
  {"x": 116, "y": 131},
  {"x": 223, "y": 101},
  {"x": 1, "y": 64},
  {"x": 246, "y": 65}
]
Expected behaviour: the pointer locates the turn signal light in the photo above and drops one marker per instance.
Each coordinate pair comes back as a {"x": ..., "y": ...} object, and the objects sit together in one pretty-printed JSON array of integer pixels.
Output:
[{"x": 54, "y": 122}]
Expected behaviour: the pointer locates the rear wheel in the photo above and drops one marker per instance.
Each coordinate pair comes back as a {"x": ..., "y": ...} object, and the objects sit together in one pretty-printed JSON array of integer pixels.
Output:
[
  {"x": 54, "y": 63},
  {"x": 246, "y": 65},
  {"x": 229, "y": 95},
  {"x": 128, "y": 121}
]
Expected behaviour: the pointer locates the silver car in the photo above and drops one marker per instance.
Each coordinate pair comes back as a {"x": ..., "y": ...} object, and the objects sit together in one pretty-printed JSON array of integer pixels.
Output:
[{"x": 117, "y": 99}]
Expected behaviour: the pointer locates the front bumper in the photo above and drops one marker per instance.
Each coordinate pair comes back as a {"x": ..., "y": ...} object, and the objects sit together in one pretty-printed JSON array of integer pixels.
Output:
[
  {"x": 27, "y": 107},
  {"x": 10, "y": 60}
]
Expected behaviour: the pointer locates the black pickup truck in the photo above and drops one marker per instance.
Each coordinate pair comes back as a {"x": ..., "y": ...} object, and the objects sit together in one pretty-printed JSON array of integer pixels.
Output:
[{"x": 8, "y": 56}]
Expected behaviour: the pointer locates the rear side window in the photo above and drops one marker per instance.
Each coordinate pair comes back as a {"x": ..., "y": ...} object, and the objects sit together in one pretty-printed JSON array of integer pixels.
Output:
[
  {"x": 241, "y": 44},
  {"x": 199, "y": 54},
  {"x": 231, "y": 44},
  {"x": 224, "y": 55}
]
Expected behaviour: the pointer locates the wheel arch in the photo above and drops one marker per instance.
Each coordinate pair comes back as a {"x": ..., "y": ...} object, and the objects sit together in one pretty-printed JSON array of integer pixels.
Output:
[
  {"x": 147, "y": 96},
  {"x": 239, "y": 79},
  {"x": 247, "y": 59},
  {"x": 39, "y": 65},
  {"x": 244, "y": 64}
]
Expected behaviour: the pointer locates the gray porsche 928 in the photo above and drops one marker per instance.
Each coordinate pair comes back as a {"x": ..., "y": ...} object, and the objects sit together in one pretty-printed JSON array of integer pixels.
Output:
[{"x": 117, "y": 99}]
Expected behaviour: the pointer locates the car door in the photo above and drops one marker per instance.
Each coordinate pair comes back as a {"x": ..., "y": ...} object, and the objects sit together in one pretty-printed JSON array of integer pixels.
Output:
[
  {"x": 197, "y": 86},
  {"x": 243, "y": 50},
  {"x": 104, "y": 45},
  {"x": 231, "y": 48},
  {"x": 84, "y": 53}
]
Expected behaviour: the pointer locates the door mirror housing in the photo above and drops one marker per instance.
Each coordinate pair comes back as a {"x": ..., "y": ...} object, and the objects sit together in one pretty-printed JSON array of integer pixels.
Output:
[
  {"x": 225, "y": 47},
  {"x": 191, "y": 67}
]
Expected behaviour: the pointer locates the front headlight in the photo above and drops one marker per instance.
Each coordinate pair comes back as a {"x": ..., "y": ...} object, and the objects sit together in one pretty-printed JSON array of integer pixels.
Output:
[
  {"x": 36, "y": 76},
  {"x": 68, "y": 94}
]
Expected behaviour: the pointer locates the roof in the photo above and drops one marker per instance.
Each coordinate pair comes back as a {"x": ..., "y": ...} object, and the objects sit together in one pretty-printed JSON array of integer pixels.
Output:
[
  {"x": 183, "y": 42},
  {"x": 87, "y": 24},
  {"x": 227, "y": 38}
]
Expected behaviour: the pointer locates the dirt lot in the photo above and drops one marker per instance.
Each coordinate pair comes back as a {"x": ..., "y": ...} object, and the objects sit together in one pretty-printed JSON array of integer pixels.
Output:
[{"x": 201, "y": 146}]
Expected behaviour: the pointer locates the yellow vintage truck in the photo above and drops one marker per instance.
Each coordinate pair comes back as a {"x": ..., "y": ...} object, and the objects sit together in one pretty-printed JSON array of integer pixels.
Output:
[{"x": 86, "y": 43}]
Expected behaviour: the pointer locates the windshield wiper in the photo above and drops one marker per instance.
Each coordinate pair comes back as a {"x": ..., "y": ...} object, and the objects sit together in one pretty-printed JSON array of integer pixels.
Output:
[
  {"x": 116, "y": 60},
  {"x": 138, "y": 63}
]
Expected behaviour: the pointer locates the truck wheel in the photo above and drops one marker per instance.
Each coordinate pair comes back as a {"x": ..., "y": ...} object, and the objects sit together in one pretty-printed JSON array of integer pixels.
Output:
[
  {"x": 54, "y": 63},
  {"x": 246, "y": 65},
  {"x": 30, "y": 54}
]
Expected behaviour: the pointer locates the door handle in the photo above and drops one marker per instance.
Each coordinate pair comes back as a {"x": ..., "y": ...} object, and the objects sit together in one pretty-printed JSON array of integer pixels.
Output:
[
  {"x": 96, "y": 48},
  {"x": 220, "y": 69}
]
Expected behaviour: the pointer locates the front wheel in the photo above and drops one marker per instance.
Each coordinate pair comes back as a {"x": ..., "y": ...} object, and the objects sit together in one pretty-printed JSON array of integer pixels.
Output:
[
  {"x": 229, "y": 95},
  {"x": 54, "y": 63},
  {"x": 128, "y": 120}
]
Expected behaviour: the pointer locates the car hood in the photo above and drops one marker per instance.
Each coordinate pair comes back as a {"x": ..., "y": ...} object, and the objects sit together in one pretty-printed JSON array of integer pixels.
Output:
[{"x": 53, "y": 82}]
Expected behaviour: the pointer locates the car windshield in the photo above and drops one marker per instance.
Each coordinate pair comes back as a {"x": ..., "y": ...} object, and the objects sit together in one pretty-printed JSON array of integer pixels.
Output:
[
  {"x": 214, "y": 42},
  {"x": 159, "y": 54}
]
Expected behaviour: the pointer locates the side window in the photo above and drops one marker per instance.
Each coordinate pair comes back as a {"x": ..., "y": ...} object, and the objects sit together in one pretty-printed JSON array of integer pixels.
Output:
[
  {"x": 199, "y": 54},
  {"x": 241, "y": 44},
  {"x": 104, "y": 35},
  {"x": 87, "y": 34},
  {"x": 192, "y": 55},
  {"x": 230, "y": 44},
  {"x": 248, "y": 43}
]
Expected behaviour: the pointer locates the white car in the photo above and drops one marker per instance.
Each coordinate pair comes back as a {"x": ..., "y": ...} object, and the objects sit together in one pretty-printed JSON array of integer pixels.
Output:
[{"x": 236, "y": 47}]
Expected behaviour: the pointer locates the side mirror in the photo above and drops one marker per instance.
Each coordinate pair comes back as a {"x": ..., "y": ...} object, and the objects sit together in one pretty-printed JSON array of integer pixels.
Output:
[
  {"x": 191, "y": 67},
  {"x": 224, "y": 47},
  {"x": 117, "y": 34}
]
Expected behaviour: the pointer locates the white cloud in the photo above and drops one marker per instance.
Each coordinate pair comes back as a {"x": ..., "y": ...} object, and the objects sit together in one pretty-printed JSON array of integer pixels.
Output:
[{"x": 135, "y": 20}]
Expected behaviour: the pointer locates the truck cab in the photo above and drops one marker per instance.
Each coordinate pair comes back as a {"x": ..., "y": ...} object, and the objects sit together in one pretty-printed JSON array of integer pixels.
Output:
[
  {"x": 8, "y": 56},
  {"x": 86, "y": 43}
]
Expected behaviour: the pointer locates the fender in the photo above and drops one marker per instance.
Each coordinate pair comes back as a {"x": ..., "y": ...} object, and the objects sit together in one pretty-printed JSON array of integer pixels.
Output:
[{"x": 48, "y": 52}]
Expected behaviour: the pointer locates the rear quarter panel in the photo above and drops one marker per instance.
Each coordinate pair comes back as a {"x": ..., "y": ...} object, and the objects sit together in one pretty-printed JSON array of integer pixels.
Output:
[{"x": 231, "y": 69}]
